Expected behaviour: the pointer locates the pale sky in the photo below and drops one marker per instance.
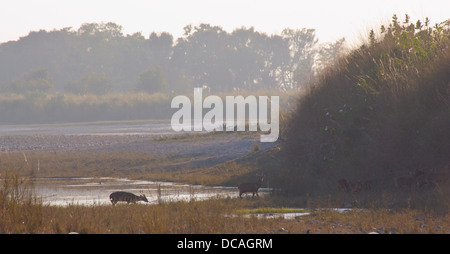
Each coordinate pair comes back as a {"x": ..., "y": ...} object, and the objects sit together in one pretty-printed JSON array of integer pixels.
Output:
[{"x": 331, "y": 19}]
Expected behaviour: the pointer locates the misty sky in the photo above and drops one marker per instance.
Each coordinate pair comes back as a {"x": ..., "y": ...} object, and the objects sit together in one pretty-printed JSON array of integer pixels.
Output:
[{"x": 331, "y": 19}]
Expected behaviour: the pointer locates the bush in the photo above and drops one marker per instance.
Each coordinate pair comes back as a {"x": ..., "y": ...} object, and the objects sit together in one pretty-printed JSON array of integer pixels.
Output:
[{"x": 381, "y": 112}]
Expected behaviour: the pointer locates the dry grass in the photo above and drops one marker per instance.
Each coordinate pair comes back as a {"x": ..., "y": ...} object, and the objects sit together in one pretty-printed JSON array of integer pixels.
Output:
[
  {"x": 210, "y": 217},
  {"x": 405, "y": 221},
  {"x": 50, "y": 108},
  {"x": 33, "y": 108}
]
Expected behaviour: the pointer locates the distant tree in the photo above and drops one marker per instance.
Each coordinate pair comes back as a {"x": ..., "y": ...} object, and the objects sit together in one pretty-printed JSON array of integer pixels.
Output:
[
  {"x": 202, "y": 55},
  {"x": 244, "y": 59},
  {"x": 36, "y": 80},
  {"x": 302, "y": 44},
  {"x": 108, "y": 29},
  {"x": 328, "y": 53},
  {"x": 257, "y": 59},
  {"x": 152, "y": 80},
  {"x": 161, "y": 45},
  {"x": 91, "y": 83},
  {"x": 91, "y": 58},
  {"x": 247, "y": 58}
]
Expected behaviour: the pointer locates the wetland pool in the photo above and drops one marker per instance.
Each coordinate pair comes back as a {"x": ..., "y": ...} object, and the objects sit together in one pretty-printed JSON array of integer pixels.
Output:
[{"x": 96, "y": 190}]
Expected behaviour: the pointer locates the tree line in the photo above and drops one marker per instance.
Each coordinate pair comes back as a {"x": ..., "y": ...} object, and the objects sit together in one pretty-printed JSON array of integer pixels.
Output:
[{"x": 99, "y": 58}]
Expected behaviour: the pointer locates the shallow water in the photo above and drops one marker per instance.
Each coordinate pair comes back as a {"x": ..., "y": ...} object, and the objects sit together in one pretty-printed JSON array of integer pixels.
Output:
[
  {"x": 290, "y": 215},
  {"x": 92, "y": 128},
  {"x": 96, "y": 191},
  {"x": 138, "y": 127}
]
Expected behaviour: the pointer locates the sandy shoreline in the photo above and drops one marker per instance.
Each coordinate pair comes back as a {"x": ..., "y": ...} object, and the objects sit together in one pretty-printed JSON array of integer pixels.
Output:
[{"x": 202, "y": 152}]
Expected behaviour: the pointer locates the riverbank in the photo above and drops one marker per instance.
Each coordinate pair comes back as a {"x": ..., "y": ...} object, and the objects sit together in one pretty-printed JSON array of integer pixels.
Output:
[{"x": 209, "y": 159}]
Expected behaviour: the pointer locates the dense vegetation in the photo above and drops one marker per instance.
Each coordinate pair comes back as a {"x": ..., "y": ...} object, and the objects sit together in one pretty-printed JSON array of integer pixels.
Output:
[
  {"x": 98, "y": 58},
  {"x": 382, "y": 112}
]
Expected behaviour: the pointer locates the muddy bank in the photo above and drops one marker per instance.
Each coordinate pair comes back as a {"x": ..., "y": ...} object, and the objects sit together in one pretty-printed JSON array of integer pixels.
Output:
[
  {"x": 78, "y": 136},
  {"x": 145, "y": 137}
]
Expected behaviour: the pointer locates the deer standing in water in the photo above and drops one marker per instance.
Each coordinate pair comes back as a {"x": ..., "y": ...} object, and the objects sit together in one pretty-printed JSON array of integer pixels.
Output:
[
  {"x": 251, "y": 187},
  {"x": 126, "y": 197}
]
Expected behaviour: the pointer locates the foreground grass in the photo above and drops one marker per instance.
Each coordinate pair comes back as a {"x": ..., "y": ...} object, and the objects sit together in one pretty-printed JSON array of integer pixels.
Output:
[
  {"x": 20, "y": 212},
  {"x": 210, "y": 217}
]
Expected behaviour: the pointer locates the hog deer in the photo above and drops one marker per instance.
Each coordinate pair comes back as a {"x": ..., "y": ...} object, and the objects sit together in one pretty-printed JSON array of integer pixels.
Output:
[
  {"x": 410, "y": 182},
  {"x": 251, "y": 187},
  {"x": 434, "y": 179},
  {"x": 355, "y": 186},
  {"x": 343, "y": 185},
  {"x": 126, "y": 197}
]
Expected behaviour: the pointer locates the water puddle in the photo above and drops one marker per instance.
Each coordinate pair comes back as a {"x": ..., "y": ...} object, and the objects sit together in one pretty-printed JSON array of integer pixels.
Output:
[
  {"x": 96, "y": 191},
  {"x": 286, "y": 215}
]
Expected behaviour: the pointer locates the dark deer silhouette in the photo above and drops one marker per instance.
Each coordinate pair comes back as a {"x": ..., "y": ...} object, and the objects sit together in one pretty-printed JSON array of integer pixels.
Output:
[
  {"x": 126, "y": 197},
  {"x": 251, "y": 187},
  {"x": 410, "y": 182},
  {"x": 343, "y": 185},
  {"x": 355, "y": 186}
]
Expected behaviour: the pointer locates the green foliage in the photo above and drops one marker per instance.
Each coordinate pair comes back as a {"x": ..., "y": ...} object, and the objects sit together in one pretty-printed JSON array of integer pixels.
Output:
[
  {"x": 108, "y": 29},
  {"x": 41, "y": 108},
  {"x": 206, "y": 55},
  {"x": 298, "y": 68},
  {"x": 152, "y": 80},
  {"x": 379, "y": 113},
  {"x": 36, "y": 80},
  {"x": 98, "y": 59},
  {"x": 91, "y": 83}
]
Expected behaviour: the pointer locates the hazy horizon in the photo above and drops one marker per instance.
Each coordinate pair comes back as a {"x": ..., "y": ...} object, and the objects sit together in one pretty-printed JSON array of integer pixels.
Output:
[{"x": 332, "y": 20}]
